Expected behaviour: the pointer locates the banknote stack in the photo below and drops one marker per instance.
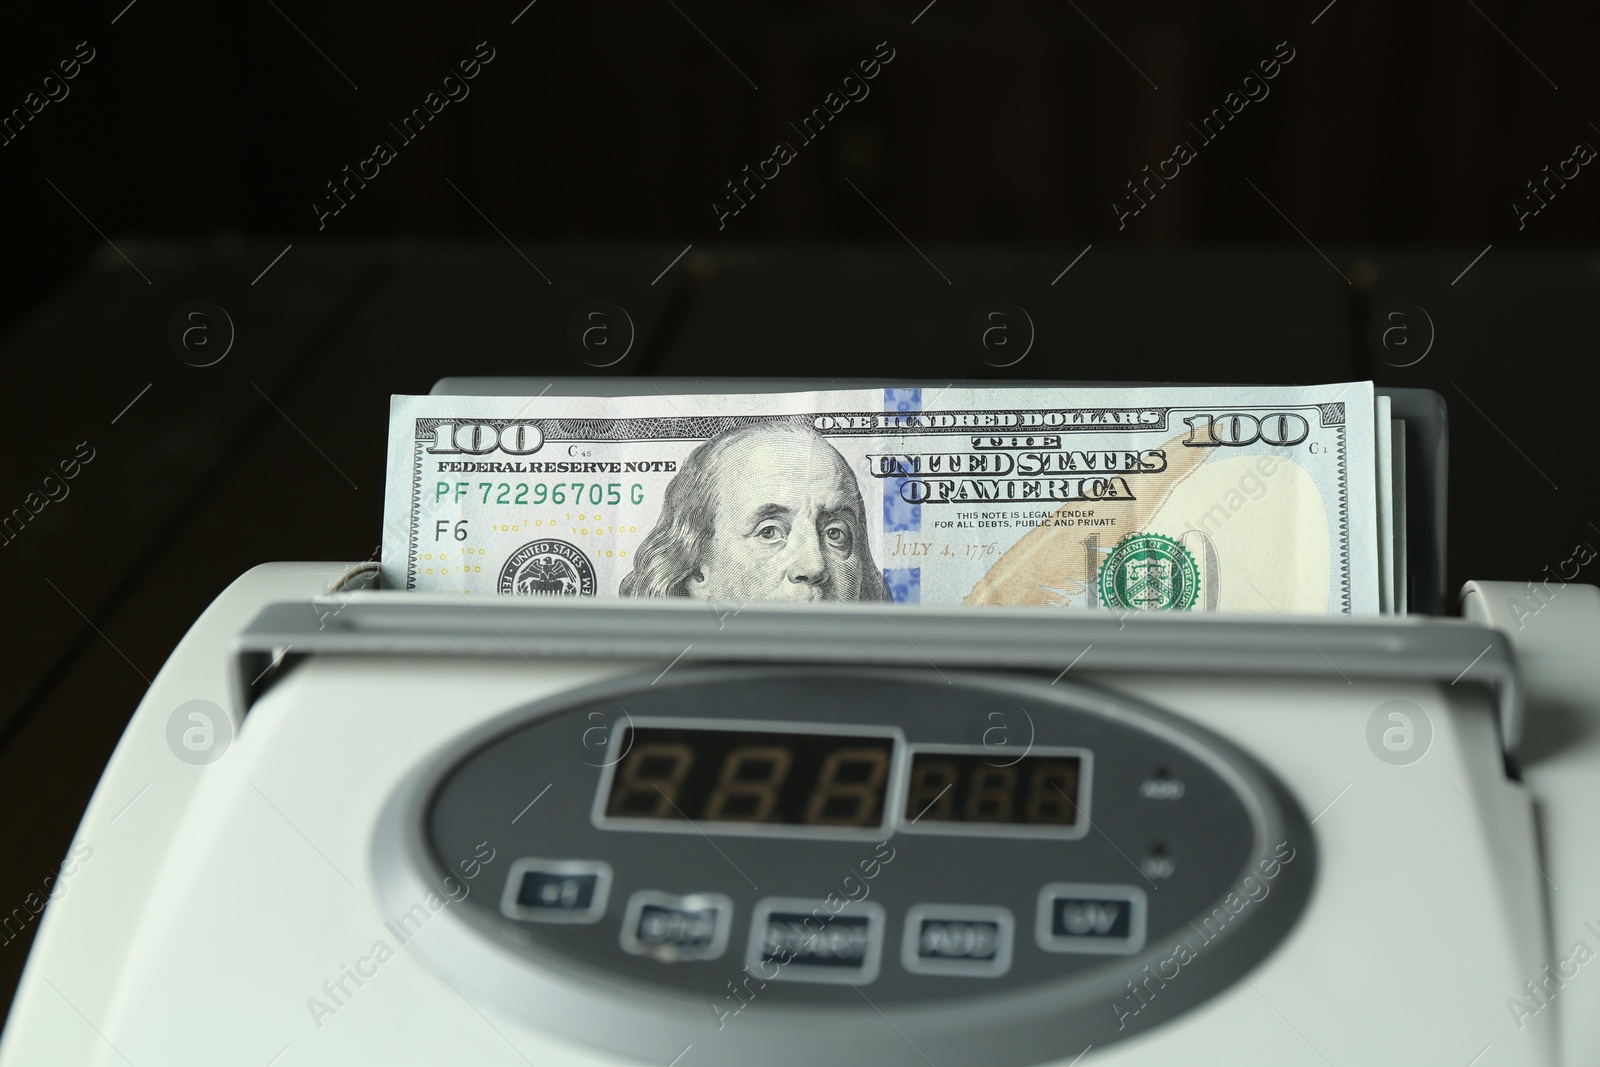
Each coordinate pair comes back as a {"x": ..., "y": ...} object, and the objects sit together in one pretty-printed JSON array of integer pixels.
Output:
[{"x": 1283, "y": 500}]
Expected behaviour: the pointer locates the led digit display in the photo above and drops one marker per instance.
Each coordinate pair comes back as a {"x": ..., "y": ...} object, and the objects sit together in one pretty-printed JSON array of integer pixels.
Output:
[
  {"x": 751, "y": 776},
  {"x": 971, "y": 788}
]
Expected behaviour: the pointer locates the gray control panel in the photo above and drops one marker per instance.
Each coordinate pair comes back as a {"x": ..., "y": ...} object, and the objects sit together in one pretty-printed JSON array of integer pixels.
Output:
[{"x": 743, "y": 855}]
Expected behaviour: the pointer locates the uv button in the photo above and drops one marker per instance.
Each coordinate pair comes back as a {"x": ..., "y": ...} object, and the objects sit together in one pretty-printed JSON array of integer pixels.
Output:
[
  {"x": 1103, "y": 919},
  {"x": 673, "y": 928},
  {"x": 968, "y": 940}
]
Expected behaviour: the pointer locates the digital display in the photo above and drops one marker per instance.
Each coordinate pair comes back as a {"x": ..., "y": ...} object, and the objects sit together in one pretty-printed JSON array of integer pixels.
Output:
[
  {"x": 751, "y": 776},
  {"x": 960, "y": 787}
]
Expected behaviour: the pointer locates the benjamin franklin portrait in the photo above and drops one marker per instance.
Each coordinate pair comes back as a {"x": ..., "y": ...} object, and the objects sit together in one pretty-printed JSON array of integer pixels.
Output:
[{"x": 768, "y": 511}]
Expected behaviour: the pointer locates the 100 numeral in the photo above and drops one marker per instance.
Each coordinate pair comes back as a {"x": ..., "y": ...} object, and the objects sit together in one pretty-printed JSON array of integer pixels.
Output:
[{"x": 1237, "y": 428}]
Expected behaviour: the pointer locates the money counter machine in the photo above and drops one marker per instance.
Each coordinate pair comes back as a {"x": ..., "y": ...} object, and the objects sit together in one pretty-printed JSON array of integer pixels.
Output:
[{"x": 387, "y": 826}]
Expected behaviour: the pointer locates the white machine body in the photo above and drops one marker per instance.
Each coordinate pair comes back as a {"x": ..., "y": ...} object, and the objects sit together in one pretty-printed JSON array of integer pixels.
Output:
[{"x": 215, "y": 912}]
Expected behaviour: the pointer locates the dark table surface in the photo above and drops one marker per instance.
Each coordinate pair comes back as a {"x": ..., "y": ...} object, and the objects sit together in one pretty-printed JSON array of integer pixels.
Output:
[{"x": 276, "y": 452}]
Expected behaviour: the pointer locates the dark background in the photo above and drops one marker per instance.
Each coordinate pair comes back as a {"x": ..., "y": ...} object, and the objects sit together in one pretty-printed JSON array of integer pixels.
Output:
[{"x": 184, "y": 162}]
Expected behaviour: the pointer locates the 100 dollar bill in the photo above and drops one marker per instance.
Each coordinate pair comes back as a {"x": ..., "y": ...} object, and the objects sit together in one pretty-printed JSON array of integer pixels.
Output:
[{"x": 1157, "y": 498}]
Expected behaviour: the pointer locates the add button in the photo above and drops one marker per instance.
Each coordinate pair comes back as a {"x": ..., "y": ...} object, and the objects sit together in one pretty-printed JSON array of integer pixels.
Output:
[
  {"x": 966, "y": 940},
  {"x": 1079, "y": 917}
]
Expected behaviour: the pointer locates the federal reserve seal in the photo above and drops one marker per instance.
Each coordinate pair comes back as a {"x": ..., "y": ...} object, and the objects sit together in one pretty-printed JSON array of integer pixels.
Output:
[
  {"x": 1149, "y": 572},
  {"x": 547, "y": 567}
]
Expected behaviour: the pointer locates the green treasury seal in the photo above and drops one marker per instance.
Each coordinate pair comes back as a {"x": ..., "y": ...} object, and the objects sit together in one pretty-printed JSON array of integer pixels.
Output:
[{"x": 1149, "y": 572}]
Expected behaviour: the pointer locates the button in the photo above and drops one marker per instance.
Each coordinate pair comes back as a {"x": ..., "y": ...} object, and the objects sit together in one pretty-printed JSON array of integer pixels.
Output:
[
  {"x": 797, "y": 940},
  {"x": 969, "y": 940},
  {"x": 1104, "y": 919},
  {"x": 673, "y": 928},
  {"x": 556, "y": 891}
]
